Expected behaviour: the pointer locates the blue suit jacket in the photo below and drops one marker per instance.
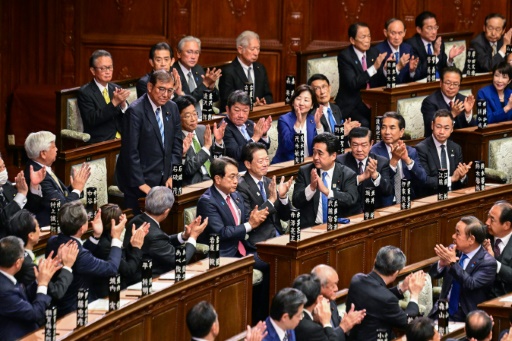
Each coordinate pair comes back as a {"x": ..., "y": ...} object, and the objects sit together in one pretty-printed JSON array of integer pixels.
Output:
[
  {"x": 221, "y": 221},
  {"x": 417, "y": 174},
  {"x": 285, "y": 133},
  {"x": 495, "y": 111},
  {"x": 20, "y": 314},
  {"x": 404, "y": 75},
  {"x": 272, "y": 334}
]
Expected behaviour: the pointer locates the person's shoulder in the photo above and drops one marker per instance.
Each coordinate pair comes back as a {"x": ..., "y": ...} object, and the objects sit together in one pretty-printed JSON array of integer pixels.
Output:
[{"x": 89, "y": 86}]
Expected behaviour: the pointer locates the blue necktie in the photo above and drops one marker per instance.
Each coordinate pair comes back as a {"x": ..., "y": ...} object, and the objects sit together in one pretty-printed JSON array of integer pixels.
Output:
[
  {"x": 324, "y": 197},
  {"x": 455, "y": 293},
  {"x": 332, "y": 122},
  {"x": 160, "y": 125},
  {"x": 243, "y": 129},
  {"x": 429, "y": 51},
  {"x": 262, "y": 191},
  {"x": 397, "y": 57}
]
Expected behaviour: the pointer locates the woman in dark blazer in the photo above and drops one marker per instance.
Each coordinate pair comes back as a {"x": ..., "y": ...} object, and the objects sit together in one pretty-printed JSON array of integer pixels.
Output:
[
  {"x": 301, "y": 119},
  {"x": 498, "y": 95}
]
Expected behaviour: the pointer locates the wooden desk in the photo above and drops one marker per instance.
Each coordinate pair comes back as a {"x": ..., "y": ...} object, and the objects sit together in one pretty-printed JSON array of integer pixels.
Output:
[
  {"x": 161, "y": 315},
  {"x": 352, "y": 248},
  {"x": 500, "y": 311}
]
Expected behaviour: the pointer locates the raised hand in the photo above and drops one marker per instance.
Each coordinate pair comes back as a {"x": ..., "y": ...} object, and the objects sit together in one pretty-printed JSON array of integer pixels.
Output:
[
  {"x": 21, "y": 184},
  {"x": 211, "y": 76},
  {"x": 208, "y": 140},
  {"x": 80, "y": 177},
  {"x": 437, "y": 45},
  {"x": 318, "y": 115},
  {"x": 469, "y": 102},
  {"x": 118, "y": 229},
  {"x": 260, "y": 101},
  {"x": 218, "y": 131},
  {"x": 351, "y": 318},
  {"x": 256, "y": 333},
  {"x": 187, "y": 142},
  {"x": 272, "y": 190},
  {"x": 97, "y": 225},
  {"x": 37, "y": 177},
  {"x": 68, "y": 253},
  {"x": 195, "y": 228},
  {"x": 378, "y": 61},
  {"x": 137, "y": 239},
  {"x": 257, "y": 216},
  {"x": 284, "y": 187},
  {"x": 178, "y": 88},
  {"x": 413, "y": 64}
]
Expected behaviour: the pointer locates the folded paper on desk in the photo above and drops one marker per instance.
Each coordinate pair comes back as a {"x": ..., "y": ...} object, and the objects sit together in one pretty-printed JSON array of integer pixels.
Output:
[
  {"x": 102, "y": 304},
  {"x": 155, "y": 286},
  {"x": 172, "y": 276}
]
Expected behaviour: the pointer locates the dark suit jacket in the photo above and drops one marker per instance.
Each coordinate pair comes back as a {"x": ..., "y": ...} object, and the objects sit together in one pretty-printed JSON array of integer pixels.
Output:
[
  {"x": 158, "y": 245},
  {"x": 369, "y": 291},
  {"x": 221, "y": 221},
  {"x": 142, "y": 84},
  {"x": 143, "y": 158},
  {"x": 285, "y": 135},
  {"x": 309, "y": 330},
  {"x": 23, "y": 311},
  {"x": 250, "y": 192},
  {"x": 192, "y": 168},
  {"x": 343, "y": 186},
  {"x": 7, "y": 211},
  {"x": 51, "y": 190},
  {"x": 430, "y": 161},
  {"x": 434, "y": 102},
  {"x": 416, "y": 175},
  {"x": 386, "y": 184},
  {"x": 85, "y": 268},
  {"x": 235, "y": 141},
  {"x": 475, "y": 281},
  {"x": 352, "y": 80},
  {"x": 234, "y": 78},
  {"x": 101, "y": 120},
  {"x": 484, "y": 59},
  {"x": 420, "y": 51},
  {"x": 272, "y": 334},
  {"x": 56, "y": 288},
  {"x": 495, "y": 112},
  {"x": 503, "y": 282},
  {"x": 336, "y": 320},
  {"x": 336, "y": 113},
  {"x": 197, "y": 72},
  {"x": 404, "y": 76}
]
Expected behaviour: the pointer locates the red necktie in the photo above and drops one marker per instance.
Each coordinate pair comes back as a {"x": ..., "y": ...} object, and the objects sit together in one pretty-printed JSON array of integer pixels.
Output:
[{"x": 241, "y": 247}]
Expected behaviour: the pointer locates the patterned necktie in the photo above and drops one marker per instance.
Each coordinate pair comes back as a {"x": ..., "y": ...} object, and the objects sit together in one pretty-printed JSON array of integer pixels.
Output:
[
  {"x": 332, "y": 122},
  {"x": 444, "y": 164},
  {"x": 249, "y": 76},
  {"x": 494, "y": 49},
  {"x": 191, "y": 82},
  {"x": 160, "y": 124},
  {"x": 497, "y": 251},
  {"x": 106, "y": 96},
  {"x": 324, "y": 197},
  {"x": 262, "y": 190},
  {"x": 54, "y": 177},
  {"x": 285, "y": 338},
  {"x": 365, "y": 67},
  {"x": 197, "y": 148},
  {"x": 398, "y": 182},
  {"x": 241, "y": 247},
  {"x": 455, "y": 292},
  {"x": 243, "y": 130},
  {"x": 360, "y": 170}
]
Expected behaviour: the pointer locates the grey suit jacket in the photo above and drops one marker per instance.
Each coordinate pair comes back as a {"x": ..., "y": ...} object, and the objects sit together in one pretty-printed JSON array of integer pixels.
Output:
[{"x": 197, "y": 72}]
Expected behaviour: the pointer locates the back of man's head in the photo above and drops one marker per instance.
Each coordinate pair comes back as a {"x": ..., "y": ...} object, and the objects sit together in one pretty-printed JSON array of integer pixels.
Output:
[
  {"x": 159, "y": 199},
  {"x": 309, "y": 285},
  {"x": 420, "y": 329},
  {"x": 11, "y": 249},
  {"x": 72, "y": 216},
  {"x": 389, "y": 260},
  {"x": 200, "y": 319},
  {"x": 478, "y": 326},
  {"x": 21, "y": 224},
  {"x": 286, "y": 301}
]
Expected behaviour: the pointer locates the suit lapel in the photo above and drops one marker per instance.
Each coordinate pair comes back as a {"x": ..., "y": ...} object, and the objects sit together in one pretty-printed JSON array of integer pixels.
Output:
[
  {"x": 219, "y": 201},
  {"x": 151, "y": 116},
  {"x": 356, "y": 60},
  {"x": 254, "y": 188},
  {"x": 97, "y": 95},
  {"x": 473, "y": 262},
  {"x": 433, "y": 153},
  {"x": 240, "y": 71}
]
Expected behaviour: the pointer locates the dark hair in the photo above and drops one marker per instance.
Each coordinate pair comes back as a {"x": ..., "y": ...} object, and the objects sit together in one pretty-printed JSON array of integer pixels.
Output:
[
  {"x": 109, "y": 212},
  {"x": 392, "y": 20},
  {"x": 72, "y": 216},
  {"x": 286, "y": 301},
  {"x": 422, "y": 17},
  {"x": 330, "y": 141},
  {"x": 299, "y": 90},
  {"x": 453, "y": 69},
  {"x": 96, "y": 54},
  {"x": 218, "y": 166},
  {"x": 495, "y": 15},
  {"x": 162, "y": 76},
  {"x": 478, "y": 325},
  {"x": 396, "y": 116},
  {"x": 249, "y": 149},
  {"x": 443, "y": 113},
  {"x": 11, "y": 249},
  {"x": 352, "y": 29},
  {"x": 389, "y": 259},
  {"x": 317, "y": 77},
  {"x": 238, "y": 96},
  {"x": 360, "y": 132},
  {"x": 310, "y": 286},
  {"x": 506, "y": 211},
  {"x": 504, "y": 68},
  {"x": 160, "y": 46},
  {"x": 420, "y": 329},
  {"x": 475, "y": 228},
  {"x": 200, "y": 319},
  {"x": 184, "y": 102},
  {"x": 22, "y": 223}
]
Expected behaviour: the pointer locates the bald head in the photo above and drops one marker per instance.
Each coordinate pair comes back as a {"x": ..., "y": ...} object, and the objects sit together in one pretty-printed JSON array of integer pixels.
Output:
[
  {"x": 479, "y": 325},
  {"x": 328, "y": 279}
]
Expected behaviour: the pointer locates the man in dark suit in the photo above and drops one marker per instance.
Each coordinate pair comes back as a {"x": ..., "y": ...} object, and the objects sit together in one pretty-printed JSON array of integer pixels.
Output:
[
  {"x": 198, "y": 143},
  {"x": 449, "y": 98},
  {"x": 240, "y": 129},
  {"x": 101, "y": 103},
  {"x": 152, "y": 142},
  {"x": 402, "y": 53},
  {"x": 467, "y": 274},
  {"x": 243, "y": 69},
  {"x": 499, "y": 226},
  {"x": 258, "y": 190},
  {"x": 479, "y": 327},
  {"x": 491, "y": 44},
  {"x": 422, "y": 329},
  {"x": 73, "y": 225},
  {"x": 426, "y": 42},
  {"x": 23, "y": 309},
  {"x": 372, "y": 170},
  {"x": 359, "y": 69},
  {"x": 194, "y": 80},
  {"x": 42, "y": 153},
  {"x": 368, "y": 291},
  {"x": 161, "y": 57},
  {"x": 403, "y": 160},
  {"x": 439, "y": 152},
  {"x": 323, "y": 179},
  {"x": 286, "y": 312},
  {"x": 316, "y": 322}
]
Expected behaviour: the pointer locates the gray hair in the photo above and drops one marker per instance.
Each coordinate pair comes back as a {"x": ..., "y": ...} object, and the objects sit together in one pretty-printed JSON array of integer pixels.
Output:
[
  {"x": 159, "y": 199},
  {"x": 245, "y": 37},
  {"x": 389, "y": 260},
  {"x": 188, "y": 39},
  {"x": 323, "y": 272},
  {"x": 38, "y": 142}
]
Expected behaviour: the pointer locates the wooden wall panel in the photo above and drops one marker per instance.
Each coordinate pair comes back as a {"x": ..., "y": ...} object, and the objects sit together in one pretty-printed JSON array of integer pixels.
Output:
[
  {"x": 350, "y": 260},
  {"x": 425, "y": 235},
  {"x": 164, "y": 323}
]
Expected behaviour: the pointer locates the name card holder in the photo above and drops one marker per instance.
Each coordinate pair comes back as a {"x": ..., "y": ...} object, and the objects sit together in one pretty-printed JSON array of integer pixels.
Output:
[
  {"x": 369, "y": 203},
  {"x": 294, "y": 225}
]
